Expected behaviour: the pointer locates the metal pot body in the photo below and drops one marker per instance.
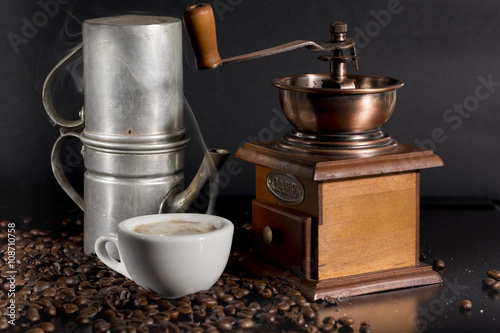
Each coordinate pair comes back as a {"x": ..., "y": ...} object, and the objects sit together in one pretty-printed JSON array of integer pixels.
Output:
[
  {"x": 133, "y": 77},
  {"x": 118, "y": 186},
  {"x": 131, "y": 125}
]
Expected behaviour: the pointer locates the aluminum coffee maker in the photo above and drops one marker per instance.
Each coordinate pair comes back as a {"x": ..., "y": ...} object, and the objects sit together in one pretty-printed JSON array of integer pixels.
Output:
[{"x": 131, "y": 125}]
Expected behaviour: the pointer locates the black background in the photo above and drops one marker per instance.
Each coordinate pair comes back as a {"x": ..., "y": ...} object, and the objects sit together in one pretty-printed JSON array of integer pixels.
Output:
[{"x": 441, "y": 50}]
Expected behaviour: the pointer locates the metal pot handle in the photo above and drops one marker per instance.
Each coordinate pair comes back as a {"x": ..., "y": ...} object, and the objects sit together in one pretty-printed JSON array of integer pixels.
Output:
[
  {"x": 57, "y": 167},
  {"x": 47, "y": 90}
]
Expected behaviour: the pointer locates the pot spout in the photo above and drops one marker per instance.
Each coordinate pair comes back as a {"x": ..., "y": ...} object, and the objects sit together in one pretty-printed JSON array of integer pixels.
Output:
[{"x": 177, "y": 201}]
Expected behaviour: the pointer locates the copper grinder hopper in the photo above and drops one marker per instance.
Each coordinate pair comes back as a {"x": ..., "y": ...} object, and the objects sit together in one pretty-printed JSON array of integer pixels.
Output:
[{"x": 333, "y": 113}]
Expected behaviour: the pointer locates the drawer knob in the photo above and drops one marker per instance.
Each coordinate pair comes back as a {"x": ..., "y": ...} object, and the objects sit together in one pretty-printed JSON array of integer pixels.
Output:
[{"x": 267, "y": 233}]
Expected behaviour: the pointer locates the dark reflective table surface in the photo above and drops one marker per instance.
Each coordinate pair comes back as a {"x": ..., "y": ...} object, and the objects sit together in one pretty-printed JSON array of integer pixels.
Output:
[{"x": 468, "y": 241}]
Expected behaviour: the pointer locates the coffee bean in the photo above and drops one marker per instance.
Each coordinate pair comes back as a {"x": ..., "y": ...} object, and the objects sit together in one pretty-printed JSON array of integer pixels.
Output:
[
  {"x": 209, "y": 303},
  {"x": 101, "y": 325},
  {"x": 218, "y": 290},
  {"x": 495, "y": 286},
  {"x": 47, "y": 326},
  {"x": 267, "y": 318},
  {"x": 242, "y": 292},
  {"x": 298, "y": 319},
  {"x": 35, "y": 330},
  {"x": 300, "y": 300},
  {"x": 330, "y": 300},
  {"x": 329, "y": 320},
  {"x": 270, "y": 308},
  {"x": 230, "y": 309},
  {"x": 69, "y": 308},
  {"x": 224, "y": 325},
  {"x": 266, "y": 293},
  {"x": 49, "y": 292},
  {"x": 226, "y": 298},
  {"x": 465, "y": 305},
  {"x": 4, "y": 323},
  {"x": 308, "y": 313},
  {"x": 346, "y": 321},
  {"x": 33, "y": 315},
  {"x": 283, "y": 307},
  {"x": 246, "y": 323},
  {"x": 489, "y": 281},
  {"x": 68, "y": 271},
  {"x": 185, "y": 309},
  {"x": 259, "y": 285},
  {"x": 494, "y": 274},
  {"x": 438, "y": 264},
  {"x": 245, "y": 314},
  {"x": 50, "y": 310},
  {"x": 255, "y": 305},
  {"x": 40, "y": 286}
]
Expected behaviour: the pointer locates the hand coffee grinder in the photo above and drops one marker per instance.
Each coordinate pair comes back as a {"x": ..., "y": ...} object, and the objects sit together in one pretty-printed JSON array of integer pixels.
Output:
[{"x": 337, "y": 198}]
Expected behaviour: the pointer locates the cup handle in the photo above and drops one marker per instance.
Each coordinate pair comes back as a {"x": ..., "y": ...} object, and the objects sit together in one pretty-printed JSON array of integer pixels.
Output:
[
  {"x": 47, "y": 91},
  {"x": 102, "y": 253},
  {"x": 58, "y": 169}
]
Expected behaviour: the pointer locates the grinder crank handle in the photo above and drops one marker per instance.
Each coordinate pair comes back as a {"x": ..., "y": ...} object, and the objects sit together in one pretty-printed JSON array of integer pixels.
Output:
[{"x": 200, "y": 25}]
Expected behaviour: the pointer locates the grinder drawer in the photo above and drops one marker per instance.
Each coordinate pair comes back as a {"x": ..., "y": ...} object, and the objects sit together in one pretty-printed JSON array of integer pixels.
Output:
[{"x": 282, "y": 237}]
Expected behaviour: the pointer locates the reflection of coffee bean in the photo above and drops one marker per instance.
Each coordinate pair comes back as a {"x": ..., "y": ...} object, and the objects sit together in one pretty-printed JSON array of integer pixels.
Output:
[
  {"x": 327, "y": 328},
  {"x": 329, "y": 320}
]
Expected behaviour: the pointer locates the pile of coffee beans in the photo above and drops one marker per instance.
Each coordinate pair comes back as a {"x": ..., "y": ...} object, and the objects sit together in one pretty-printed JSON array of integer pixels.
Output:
[{"x": 59, "y": 288}]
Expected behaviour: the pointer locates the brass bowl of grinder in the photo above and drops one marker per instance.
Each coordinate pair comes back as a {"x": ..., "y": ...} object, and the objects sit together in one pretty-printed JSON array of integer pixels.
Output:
[{"x": 313, "y": 109}]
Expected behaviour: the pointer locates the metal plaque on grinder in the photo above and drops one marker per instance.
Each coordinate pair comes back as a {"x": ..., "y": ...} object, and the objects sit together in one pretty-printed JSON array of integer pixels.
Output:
[{"x": 285, "y": 187}]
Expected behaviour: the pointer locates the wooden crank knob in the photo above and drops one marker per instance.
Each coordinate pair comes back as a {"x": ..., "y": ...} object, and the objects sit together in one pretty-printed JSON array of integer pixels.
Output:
[{"x": 200, "y": 25}]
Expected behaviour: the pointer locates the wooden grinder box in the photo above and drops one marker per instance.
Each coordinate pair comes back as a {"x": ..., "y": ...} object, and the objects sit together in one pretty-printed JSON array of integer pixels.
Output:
[{"x": 338, "y": 226}]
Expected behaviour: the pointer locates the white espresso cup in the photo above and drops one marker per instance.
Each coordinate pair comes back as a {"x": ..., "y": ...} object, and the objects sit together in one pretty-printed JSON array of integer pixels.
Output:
[{"x": 173, "y": 265}]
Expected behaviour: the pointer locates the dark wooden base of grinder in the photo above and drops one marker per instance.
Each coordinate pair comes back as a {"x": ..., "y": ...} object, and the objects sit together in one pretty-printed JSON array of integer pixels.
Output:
[
  {"x": 339, "y": 225},
  {"x": 353, "y": 285}
]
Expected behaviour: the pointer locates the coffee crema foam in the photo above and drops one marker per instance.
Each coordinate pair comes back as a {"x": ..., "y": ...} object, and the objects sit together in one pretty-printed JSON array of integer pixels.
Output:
[{"x": 172, "y": 228}]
